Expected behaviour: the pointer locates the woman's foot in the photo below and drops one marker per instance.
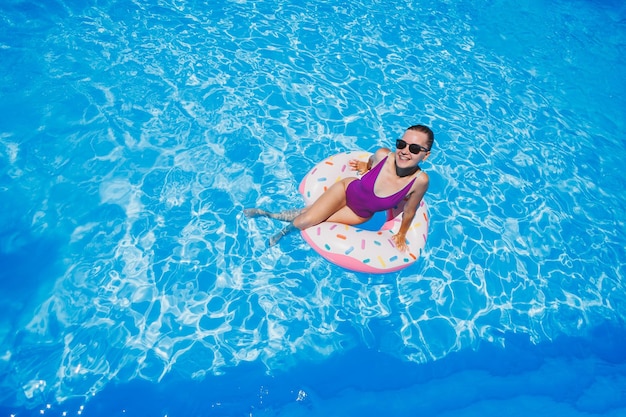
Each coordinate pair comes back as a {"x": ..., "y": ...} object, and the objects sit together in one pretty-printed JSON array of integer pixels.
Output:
[{"x": 274, "y": 239}]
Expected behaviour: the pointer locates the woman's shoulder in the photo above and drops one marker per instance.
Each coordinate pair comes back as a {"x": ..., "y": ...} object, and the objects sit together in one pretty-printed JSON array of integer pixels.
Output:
[
  {"x": 381, "y": 153},
  {"x": 421, "y": 179}
]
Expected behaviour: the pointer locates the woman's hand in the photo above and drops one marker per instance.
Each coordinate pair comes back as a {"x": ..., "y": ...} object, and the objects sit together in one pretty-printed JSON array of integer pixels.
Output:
[
  {"x": 400, "y": 241},
  {"x": 358, "y": 166}
]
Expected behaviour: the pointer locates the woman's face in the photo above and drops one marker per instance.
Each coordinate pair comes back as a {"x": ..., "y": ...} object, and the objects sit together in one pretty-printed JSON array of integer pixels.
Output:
[{"x": 406, "y": 157}]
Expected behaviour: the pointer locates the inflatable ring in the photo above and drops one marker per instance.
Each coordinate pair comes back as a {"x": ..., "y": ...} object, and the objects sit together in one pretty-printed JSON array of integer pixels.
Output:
[{"x": 358, "y": 248}]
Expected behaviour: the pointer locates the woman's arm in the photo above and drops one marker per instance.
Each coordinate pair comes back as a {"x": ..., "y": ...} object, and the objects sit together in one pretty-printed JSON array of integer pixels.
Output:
[
  {"x": 363, "y": 166},
  {"x": 410, "y": 208}
]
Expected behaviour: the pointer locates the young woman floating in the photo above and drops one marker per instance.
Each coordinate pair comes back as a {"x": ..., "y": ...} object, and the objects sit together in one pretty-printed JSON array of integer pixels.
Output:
[{"x": 388, "y": 178}]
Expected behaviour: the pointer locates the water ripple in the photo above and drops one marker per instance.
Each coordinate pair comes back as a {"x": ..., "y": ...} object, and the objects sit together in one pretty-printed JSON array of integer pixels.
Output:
[{"x": 152, "y": 126}]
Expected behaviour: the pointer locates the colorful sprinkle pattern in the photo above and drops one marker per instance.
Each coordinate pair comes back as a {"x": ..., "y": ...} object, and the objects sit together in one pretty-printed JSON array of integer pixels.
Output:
[{"x": 350, "y": 246}]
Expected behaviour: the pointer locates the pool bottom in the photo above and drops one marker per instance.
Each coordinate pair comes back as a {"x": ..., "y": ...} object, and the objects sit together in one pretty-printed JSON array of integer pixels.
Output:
[{"x": 569, "y": 377}]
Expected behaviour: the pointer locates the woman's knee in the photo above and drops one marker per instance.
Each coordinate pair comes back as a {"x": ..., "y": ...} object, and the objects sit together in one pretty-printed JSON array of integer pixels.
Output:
[
  {"x": 301, "y": 222},
  {"x": 333, "y": 200},
  {"x": 306, "y": 219}
]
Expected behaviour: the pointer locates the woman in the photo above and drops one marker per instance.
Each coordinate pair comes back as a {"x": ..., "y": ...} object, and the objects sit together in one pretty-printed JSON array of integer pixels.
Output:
[{"x": 388, "y": 179}]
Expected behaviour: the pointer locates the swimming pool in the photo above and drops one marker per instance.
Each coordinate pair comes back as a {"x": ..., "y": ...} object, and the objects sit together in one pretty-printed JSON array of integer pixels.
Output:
[{"x": 133, "y": 133}]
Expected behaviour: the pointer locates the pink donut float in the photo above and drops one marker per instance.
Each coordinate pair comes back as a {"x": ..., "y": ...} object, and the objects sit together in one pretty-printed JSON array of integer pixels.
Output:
[{"x": 355, "y": 247}]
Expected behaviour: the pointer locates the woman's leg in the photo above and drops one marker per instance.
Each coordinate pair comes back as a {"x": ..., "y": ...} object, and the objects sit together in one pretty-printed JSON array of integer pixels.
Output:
[
  {"x": 329, "y": 206},
  {"x": 286, "y": 216},
  {"x": 331, "y": 201}
]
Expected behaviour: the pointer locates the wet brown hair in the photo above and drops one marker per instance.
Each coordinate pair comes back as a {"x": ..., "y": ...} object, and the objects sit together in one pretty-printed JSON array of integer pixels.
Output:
[{"x": 429, "y": 133}]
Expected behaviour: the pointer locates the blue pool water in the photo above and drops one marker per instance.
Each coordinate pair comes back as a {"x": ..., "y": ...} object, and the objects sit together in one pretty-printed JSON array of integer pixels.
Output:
[{"x": 133, "y": 133}]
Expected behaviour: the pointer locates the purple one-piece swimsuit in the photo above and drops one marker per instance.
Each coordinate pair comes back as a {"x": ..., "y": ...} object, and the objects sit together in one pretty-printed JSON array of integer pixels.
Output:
[{"x": 362, "y": 200}]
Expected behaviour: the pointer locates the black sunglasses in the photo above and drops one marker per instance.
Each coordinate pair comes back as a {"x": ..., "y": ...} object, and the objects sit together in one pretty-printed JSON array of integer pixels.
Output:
[{"x": 413, "y": 148}]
